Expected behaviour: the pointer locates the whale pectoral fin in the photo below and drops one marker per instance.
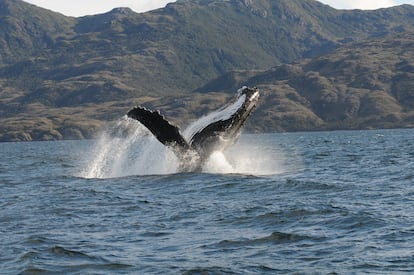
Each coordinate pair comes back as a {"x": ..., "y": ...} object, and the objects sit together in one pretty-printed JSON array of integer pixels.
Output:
[{"x": 164, "y": 131}]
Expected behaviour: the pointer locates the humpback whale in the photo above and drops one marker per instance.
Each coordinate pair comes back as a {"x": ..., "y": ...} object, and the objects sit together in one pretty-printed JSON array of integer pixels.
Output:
[{"x": 213, "y": 132}]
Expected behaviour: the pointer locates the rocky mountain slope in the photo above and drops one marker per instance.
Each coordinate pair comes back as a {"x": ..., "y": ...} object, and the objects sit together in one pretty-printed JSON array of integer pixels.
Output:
[
  {"x": 64, "y": 77},
  {"x": 362, "y": 85}
]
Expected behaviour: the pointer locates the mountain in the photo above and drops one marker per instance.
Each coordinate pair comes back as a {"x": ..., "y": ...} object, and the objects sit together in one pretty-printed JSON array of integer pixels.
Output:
[
  {"x": 26, "y": 30},
  {"x": 63, "y": 77},
  {"x": 362, "y": 85}
]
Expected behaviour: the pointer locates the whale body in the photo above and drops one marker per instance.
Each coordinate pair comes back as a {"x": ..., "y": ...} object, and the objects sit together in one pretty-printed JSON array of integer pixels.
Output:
[{"x": 213, "y": 132}]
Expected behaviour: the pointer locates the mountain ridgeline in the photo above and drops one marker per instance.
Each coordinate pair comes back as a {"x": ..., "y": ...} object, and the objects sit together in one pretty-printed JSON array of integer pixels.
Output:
[{"x": 318, "y": 68}]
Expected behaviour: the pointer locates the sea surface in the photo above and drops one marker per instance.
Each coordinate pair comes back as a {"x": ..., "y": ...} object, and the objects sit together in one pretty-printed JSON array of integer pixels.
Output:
[{"x": 324, "y": 202}]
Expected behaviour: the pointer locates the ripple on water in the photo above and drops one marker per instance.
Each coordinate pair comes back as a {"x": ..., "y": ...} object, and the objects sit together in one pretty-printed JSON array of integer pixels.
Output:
[
  {"x": 272, "y": 239},
  {"x": 44, "y": 258}
]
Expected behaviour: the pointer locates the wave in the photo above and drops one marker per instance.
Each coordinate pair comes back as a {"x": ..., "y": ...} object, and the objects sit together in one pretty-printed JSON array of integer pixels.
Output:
[
  {"x": 65, "y": 260},
  {"x": 274, "y": 238}
]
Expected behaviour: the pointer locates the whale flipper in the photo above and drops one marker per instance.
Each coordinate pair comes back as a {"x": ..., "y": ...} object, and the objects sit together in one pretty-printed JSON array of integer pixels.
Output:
[
  {"x": 224, "y": 125},
  {"x": 169, "y": 135},
  {"x": 163, "y": 130}
]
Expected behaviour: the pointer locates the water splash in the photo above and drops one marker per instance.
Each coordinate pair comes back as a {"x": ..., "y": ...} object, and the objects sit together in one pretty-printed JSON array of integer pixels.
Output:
[
  {"x": 248, "y": 159},
  {"x": 128, "y": 148},
  {"x": 217, "y": 163}
]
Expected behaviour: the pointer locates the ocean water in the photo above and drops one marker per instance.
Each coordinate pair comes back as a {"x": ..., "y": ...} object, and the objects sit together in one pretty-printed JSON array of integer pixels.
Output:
[{"x": 325, "y": 202}]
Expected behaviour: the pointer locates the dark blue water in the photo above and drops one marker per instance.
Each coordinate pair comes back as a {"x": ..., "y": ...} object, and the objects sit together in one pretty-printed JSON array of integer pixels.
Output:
[{"x": 336, "y": 202}]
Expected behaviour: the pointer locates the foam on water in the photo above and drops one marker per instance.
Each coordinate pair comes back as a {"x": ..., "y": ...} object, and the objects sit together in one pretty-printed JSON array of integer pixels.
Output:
[{"x": 128, "y": 148}]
